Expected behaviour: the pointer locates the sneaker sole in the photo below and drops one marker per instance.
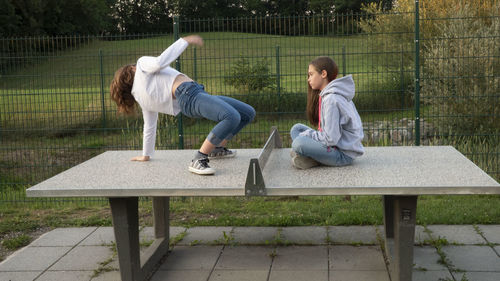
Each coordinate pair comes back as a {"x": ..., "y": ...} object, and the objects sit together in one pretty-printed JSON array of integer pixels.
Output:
[
  {"x": 201, "y": 172},
  {"x": 301, "y": 162},
  {"x": 223, "y": 156}
]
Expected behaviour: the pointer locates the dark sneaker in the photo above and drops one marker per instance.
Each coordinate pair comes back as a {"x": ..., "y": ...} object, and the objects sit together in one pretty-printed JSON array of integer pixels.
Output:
[
  {"x": 221, "y": 152},
  {"x": 302, "y": 162},
  {"x": 200, "y": 167}
]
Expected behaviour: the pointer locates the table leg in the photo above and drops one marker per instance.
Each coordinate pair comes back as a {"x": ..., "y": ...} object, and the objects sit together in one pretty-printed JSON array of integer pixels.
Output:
[
  {"x": 125, "y": 213},
  {"x": 399, "y": 219},
  {"x": 159, "y": 248}
]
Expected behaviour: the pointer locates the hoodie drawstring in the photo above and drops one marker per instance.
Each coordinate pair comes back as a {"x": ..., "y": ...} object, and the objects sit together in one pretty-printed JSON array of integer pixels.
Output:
[{"x": 319, "y": 114}]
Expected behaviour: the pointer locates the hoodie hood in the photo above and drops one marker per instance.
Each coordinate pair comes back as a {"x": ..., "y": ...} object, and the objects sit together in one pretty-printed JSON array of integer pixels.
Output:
[{"x": 342, "y": 86}]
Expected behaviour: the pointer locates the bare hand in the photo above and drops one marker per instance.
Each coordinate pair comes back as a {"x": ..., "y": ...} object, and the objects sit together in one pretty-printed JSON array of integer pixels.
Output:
[
  {"x": 140, "y": 158},
  {"x": 194, "y": 40}
]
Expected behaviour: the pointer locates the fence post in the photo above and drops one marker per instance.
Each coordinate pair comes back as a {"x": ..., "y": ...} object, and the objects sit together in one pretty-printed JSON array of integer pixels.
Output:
[
  {"x": 402, "y": 79},
  {"x": 101, "y": 74},
  {"x": 278, "y": 82},
  {"x": 343, "y": 61},
  {"x": 178, "y": 67},
  {"x": 195, "y": 66},
  {"x": 417, "y": 75}
]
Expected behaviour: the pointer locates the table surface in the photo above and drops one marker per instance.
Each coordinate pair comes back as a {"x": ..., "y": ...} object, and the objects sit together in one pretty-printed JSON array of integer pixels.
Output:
[{"x": 397, "y": 170}]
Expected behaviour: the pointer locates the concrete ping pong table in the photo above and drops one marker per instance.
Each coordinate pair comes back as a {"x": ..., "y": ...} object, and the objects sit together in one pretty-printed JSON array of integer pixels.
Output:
[{"x": 399, "y": 174}]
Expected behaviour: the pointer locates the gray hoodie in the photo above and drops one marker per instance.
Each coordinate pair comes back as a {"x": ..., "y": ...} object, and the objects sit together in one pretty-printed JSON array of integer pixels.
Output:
[{"x": 340, "y": 122}]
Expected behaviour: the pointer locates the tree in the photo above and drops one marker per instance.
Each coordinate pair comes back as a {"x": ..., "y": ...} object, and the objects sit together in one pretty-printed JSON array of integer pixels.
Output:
[
  {"x": 354, "y": 6},
  {"x": 9, "y": 21},
  {"x": 54, "y": 17}
]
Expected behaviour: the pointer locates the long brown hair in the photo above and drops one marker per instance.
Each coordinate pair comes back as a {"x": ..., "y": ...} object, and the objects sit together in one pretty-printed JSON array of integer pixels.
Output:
[
  {"x": 121, "y": 89},
  {"x": 320, "y": 64}
]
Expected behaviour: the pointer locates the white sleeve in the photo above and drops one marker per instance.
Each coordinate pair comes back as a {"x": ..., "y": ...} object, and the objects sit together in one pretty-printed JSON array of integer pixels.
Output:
[
  {"x": 149, "y": 133},
  {"x": 154, "y": 64}
]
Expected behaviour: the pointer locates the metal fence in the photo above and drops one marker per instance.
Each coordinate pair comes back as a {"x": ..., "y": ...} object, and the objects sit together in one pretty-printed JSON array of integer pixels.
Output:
[{"x": 412, "y": 88}]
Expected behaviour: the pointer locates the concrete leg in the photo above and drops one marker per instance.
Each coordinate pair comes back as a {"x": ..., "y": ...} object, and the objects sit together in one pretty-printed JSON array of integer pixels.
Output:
[
  {"x": 401, "y": 210},
  {"x": 125, "y": 214}
]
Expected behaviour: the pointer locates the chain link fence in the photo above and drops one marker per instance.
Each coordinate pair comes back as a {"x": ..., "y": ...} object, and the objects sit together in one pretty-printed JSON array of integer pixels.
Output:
[{"x": 412, "y": 88}]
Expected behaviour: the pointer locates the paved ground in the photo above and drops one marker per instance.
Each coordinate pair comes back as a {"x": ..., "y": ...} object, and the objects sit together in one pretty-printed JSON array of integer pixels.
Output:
[{"x": 336, "y": 253}]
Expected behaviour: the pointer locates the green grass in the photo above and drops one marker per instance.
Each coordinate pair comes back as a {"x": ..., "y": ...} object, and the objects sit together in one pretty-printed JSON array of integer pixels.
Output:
[
  {"x": 56, "y": 106},
  {"x": 64, "y": 89},
  {"x": 24, "y": 219},
  {"x": 16, "y": 242}
]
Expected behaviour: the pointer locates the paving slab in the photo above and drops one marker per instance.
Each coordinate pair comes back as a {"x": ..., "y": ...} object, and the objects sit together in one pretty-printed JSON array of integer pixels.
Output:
[
  {"x": 108, "y": 276},
  {"x": 491, "y": 233},
  {"x": 83, "y": 258},
  {"x": 192, "y": 258},
  {"x": 19, "y": 275},
  {"x": 148, "y": 233},
  {"x": 308, "y": 258},
  {"x": 206, "y": 235},
  {"x": 245, "y": 258},
  {"x": 358, "y": 275},
  {"x": 298, "y": 275},
  {"x": 180, "y": 275},
  {"x": 67, "y": 236},
  {"x": 66, "y": 276},
  {"x": 304, "y": 235},
  {"x": 478, "y": 276},
  {"x": 255, "y": 235},
  {"x": 497, "y": 250},
  {"x": 240, "y": 275},
  {"x": 426, "y": 258},
  {"x": 175, "y": 230},
  {"x": 33, "y": 258},
  {"x": 472, "y": 258},
  {"x": 459, "y": 234},
  {"x": 420, "y": 235},
  {"x": 100, "y": 237},
  {"x": 352, "y": 235},
  {"x": 356, "y": 258},
  {"x": 428, "y": 275}
]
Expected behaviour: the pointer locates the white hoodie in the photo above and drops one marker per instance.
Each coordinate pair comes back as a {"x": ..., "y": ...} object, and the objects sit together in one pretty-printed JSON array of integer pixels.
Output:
[{"x": 340, "y": 122}]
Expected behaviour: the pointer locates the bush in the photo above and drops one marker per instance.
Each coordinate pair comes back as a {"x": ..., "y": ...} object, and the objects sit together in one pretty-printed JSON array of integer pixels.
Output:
[
  {"x": 458, "y": 54},
  {"x": 251, "y": 78},
  {"x": 468, "y": 56}
]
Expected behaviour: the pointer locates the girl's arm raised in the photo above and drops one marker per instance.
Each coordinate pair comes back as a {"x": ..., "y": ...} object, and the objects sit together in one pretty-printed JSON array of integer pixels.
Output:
[
  {"x": 194, "y": 40},
  {"x": 154, "y": 64}
]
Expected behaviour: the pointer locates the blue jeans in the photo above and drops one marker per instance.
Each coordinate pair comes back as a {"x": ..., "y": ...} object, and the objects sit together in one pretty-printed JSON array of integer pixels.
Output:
[
  {"x": 306, "y": 146},
  {"x": 232, "y": 115}
]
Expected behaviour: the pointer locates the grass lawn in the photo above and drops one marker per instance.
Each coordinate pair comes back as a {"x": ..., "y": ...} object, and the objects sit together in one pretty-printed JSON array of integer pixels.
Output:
[
  {"x": 52, "y": 109},
  {"x": 19, "y": 223}
]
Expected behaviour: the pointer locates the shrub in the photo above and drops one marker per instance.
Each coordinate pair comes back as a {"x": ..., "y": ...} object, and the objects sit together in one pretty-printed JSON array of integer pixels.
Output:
[
  {"x": 16, "y": 242},
  {"x": 461, "y": 74},
  {"x": 251, "y": 78},
  {"x": 458, "y": 52}
]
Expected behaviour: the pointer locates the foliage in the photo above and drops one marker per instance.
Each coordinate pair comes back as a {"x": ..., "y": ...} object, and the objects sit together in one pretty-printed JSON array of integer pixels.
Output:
[
  {"x": 60, "y": 17},
  {"x": 250, "y": 78},
  {"x": 142, "y": 16},
  {"x": 469, "y": 58},
  {"x": 459, "y": 56},
  {"x": 16, "y": 242},
  {"x": 400, "y": 22},
  {"x": 53, "y": 17}
]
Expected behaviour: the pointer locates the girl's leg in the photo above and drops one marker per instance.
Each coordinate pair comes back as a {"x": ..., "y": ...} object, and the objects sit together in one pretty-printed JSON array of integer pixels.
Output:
[
  {"x": 196, "y": 103},
  {"x": 297, "y": 129},
  {"x": 247, "y": 114},
  {"x": 330, "y": 156}
]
